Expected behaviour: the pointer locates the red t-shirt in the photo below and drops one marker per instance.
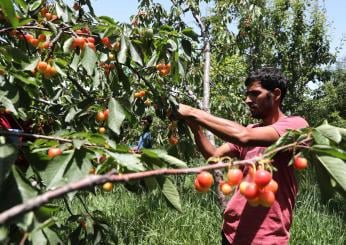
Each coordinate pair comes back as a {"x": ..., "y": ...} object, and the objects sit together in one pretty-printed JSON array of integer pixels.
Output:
[{"x": 244, "y": 224}]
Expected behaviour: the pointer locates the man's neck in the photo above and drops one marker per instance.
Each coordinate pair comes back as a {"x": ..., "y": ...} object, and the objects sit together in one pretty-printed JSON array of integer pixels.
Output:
[{"x": 273, "y": 118}]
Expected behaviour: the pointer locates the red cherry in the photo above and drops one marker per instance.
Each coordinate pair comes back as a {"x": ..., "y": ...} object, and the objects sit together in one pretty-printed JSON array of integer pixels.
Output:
[{"x": 262, "y": 178}]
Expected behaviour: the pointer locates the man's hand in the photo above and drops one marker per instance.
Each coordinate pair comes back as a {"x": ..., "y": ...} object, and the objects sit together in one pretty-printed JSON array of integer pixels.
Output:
[{"x": 184, "y": 111}]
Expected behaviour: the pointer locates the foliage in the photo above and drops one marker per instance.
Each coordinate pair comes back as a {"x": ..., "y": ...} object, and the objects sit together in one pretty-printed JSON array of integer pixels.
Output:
[
  {"x": 60, "y": 66},
  {"x": 323, "y": 100}
]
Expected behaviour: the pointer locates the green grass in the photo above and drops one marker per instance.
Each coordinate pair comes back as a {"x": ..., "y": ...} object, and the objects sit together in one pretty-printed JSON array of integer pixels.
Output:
[{"x": 146, "y": 218}]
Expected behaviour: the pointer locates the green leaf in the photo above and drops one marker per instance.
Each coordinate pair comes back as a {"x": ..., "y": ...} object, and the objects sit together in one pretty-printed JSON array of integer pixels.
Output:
[
  {"x": 8, "y": 155},
  {"x": 18, "y": 55},
  {"x": 35, "y": 5},
  {"x": 127, "y": 160},
  {"x": 24, "y": 187},
  {"x": 190, "y": 33},
  {"x": 78, "y": 143},
  {"x": 122, "y": 55},
  {"x": 75, "y": 62},
  {"x": 170, "y": 191},
  {"x": 44, "y": 236},
  {"x": 9, "y": 12},
  {"x": 32, "y": 65},
  {"x": 161, "y": 156},
  {"x": 71, "y": 114},
  {"x": 116, "y": 115},
  {"x": 330, "y": 150},
  {"x": 46, "y": 211},
  {"x": 336, "y": 168},
  {"x": 108, "y": 20},
  {"x": 135, "y": 55},
  {"x": 79, "y": 166},
  {"x": 89, "y": 60},
  {"x": 330, "y": 132},
  {"x": 4, "y": 232},
  {"x": 22, "y": 4},
  {"x": 324, "y": 182},
  {"x": 319, "y": 138},
  {"x": 187, "y": 47},
  {"x": 62, "y": 12},
  {"x": 67, "y": 45},
  {"x": 7, "y": 103},
  {"x": 51, "y": 170}
]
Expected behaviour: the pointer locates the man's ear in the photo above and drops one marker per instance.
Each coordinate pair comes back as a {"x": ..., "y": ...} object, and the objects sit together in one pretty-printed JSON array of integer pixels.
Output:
[{"x": 277, "y": 94}]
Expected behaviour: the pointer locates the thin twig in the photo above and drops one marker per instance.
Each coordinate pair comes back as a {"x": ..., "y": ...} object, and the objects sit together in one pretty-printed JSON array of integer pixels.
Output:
[{"x": 39, "y": 136}]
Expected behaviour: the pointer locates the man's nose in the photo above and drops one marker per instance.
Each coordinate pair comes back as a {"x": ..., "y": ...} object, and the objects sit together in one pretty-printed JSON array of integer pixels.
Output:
[{"x": 248, "y": 100}]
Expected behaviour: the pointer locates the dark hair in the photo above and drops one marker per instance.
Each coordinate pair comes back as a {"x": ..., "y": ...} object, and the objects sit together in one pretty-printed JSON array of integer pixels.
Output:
[
  {"x": 149, "y": 119},
  {"x": 270, "y": 78}
]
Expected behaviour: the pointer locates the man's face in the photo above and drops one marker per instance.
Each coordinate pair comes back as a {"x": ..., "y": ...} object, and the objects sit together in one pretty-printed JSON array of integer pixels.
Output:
[{"x": 259, "y": 100}]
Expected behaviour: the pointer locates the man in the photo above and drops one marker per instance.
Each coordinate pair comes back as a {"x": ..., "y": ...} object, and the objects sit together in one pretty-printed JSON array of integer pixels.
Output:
[
  {"x": 145, "y": 140},
  {"x": 244, "y": 224}
]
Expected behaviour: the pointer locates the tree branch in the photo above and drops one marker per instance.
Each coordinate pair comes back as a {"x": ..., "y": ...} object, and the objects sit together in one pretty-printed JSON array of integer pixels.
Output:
[
  {"x": 113, "y": 177},
  {"x": 39, "y": 136},
  {"x": 92, "y": 180}
]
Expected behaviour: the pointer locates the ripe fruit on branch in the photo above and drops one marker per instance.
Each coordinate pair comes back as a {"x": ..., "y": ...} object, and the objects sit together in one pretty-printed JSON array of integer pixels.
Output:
[
  {"x": 78, "y": 42},
  {"x": 108, "y": 186},
  {"x": 45, "y": 45},
  {"x": 90, "y": 40},
  {"x": 199, "y": 188},
  {"x": 34, "y": 42},
  {"x": 163, "y": 69},
  {"x": 254, "y": 202},
  {"x": 48, "y": 16},
  {"x": 205, "y": 179},
  {"x": 50, "y": 71},
  {"x": 234, "y": 176},
  {"x": 102, "y": 130},
  {"x": 42, "y": 37},
  {"x": 105, "y": 41},
  {"x": 28, "y": 37},
  {"x": 140, "y": 94},
  {"x": 116, "y": 46},
  {"x": 147, "y": 102},
  {"x": 262, "y": 178},
  {"x": 53, "y": 152},
  {"x": 272, "y": 186},
  {"x": 300, "y": 163},
  {"x": 41, "y": 66},
  {"x": 92, "y": 171},
  {"x": 105, "y": 113},
  {"x": 267, "y": 198},
  {"x": 100, "y": 116},
  {"x": 251, "y": 191},
  {"x": 173, "y": 140},
  {"x": 226, "y": 188}
]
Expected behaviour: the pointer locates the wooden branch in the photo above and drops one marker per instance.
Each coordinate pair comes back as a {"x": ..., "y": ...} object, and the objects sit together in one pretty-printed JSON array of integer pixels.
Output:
[
  {"x": 39, "y": 136},
  {"x": 93, "y": 180},
  {"x": 45, "y": 29}
]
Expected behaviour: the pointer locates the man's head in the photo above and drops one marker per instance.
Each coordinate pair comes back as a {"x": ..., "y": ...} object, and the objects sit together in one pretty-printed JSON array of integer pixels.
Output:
[
  {"x": 146, "y": 121},
  {"x": 266, "y": 88}
]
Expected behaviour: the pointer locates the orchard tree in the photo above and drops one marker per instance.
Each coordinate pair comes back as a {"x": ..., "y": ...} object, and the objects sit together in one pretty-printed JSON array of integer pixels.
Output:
[{"x": 73, "y": 86}]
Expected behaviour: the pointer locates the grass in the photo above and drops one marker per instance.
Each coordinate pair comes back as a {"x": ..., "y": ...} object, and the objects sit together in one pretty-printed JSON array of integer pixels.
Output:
[{"x": 146, "y": 218}]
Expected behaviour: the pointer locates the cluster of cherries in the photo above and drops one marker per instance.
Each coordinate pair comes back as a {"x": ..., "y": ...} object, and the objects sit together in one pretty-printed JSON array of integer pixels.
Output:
[
  {"x": 46, "y": 69},
  {"x": 258, "y": 187},
  {"x": 163, "y": 69},
  {"x": 101, "y": 117}
]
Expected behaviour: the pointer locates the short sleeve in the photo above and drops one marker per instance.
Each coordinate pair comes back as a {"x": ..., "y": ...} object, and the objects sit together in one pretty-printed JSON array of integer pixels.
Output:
[
  {"x": 287, "y": 123},
  {"x": 235, "y": 150}
]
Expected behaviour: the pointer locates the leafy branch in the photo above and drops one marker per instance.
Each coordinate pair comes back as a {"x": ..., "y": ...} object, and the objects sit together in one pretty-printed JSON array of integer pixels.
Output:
[{"x": 113, "y": 176}]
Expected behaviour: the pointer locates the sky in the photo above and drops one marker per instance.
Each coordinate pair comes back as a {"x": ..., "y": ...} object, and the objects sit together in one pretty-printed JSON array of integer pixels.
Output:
[{"x": 335, "y": 9}]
